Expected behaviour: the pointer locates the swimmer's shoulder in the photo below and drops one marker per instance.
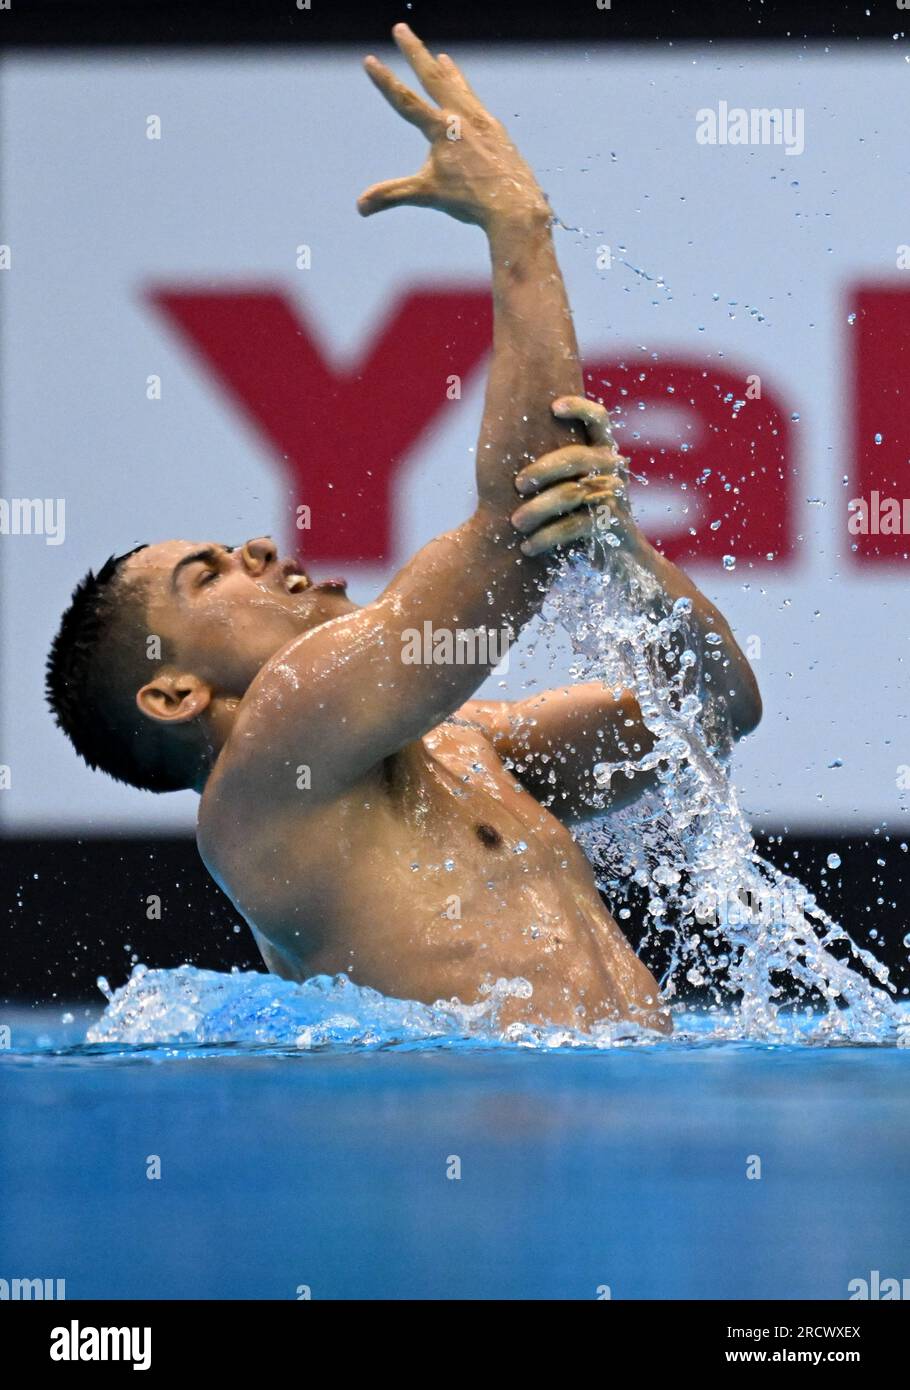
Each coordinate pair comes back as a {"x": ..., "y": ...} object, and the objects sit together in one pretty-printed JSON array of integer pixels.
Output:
[{"x": 248, "y": 798}]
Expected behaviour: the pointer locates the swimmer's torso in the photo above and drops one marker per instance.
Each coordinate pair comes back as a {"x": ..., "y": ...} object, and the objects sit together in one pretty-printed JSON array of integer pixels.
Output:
[{"x": 431, "y": 879}]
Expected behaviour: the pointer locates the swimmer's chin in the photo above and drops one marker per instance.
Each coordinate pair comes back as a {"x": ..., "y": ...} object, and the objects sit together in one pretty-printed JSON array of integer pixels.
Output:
[{"x": 320, "y": 604}]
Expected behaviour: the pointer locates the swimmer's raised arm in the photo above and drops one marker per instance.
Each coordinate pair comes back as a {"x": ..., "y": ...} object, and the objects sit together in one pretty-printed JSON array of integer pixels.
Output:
[
  {"x": 474, "y": 173},
  {"x": 347, "y": 694}
]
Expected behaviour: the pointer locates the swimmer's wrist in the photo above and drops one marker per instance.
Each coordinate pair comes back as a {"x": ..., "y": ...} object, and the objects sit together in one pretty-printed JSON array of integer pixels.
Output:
[{"x": 520, "y": 220}]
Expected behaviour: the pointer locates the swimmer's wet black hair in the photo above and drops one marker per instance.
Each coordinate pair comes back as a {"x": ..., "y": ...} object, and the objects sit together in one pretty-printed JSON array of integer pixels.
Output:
[{"x": 88, "y": 683}]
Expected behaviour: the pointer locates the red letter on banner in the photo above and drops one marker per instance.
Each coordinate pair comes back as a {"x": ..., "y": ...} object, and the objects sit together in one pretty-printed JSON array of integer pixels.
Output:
[
  {"x": 880, "y": 346},
  {"x": 726, "y": 465}
]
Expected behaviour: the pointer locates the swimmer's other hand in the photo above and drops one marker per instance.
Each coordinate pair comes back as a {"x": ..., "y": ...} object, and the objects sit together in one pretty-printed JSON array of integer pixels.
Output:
[
  {"x": 576, "y": 492},
  {"x": 473, "y": 171}
]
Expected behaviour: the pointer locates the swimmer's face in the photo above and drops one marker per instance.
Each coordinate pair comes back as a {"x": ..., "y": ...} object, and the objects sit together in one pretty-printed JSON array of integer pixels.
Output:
[{"x": 223, "y": 611}]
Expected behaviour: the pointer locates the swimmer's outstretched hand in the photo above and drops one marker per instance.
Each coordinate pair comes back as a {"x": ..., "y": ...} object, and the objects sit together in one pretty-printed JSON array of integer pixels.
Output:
[
  {"x": 473, "y": 172},
  {"x": 576, "y": 492}
]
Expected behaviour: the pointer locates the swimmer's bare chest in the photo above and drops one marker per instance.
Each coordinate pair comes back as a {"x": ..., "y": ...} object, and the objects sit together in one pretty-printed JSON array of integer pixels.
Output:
[{"x": 433, "y": 877}]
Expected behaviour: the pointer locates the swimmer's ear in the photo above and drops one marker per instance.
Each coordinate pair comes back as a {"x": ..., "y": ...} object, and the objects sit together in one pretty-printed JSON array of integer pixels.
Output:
[{"x": 174, "y": 698}]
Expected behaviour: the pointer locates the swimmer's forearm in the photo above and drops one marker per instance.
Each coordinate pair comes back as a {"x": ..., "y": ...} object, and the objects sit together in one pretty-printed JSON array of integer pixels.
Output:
[
  {"x": 475, "y": 173},
  {"x": 555, "y": 739},
  {"x": 535, "y": 359},
  {"x": 732, "y": 684},
  {"x": 535, "y": 354}
]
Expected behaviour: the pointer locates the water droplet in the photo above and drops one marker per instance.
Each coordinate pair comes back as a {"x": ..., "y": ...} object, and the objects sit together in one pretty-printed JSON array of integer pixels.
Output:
[{"x": 833, "y": 861}]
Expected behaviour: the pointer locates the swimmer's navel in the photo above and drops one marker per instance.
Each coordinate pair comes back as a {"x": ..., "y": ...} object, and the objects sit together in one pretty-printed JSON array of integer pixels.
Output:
[{"x": 487, "y": 835}]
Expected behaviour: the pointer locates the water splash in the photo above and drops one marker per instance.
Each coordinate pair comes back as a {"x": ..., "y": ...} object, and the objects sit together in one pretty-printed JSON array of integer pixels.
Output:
[
  {"x": 165, "y": 1014},
  {"x": 735, "y": 926},
  {"x": 189, "y": 1007}
]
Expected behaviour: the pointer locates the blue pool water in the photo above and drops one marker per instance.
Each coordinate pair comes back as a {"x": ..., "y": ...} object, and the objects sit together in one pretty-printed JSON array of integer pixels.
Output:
[{"x": 326, "y": 1166}]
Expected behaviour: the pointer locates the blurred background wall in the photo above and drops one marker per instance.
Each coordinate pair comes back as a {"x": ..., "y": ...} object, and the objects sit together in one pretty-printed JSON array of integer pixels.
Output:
[{"x": 200, "y": 337}]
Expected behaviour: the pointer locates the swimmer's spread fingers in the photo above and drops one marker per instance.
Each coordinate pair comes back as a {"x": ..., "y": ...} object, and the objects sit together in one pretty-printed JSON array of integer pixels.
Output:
[
  {"x": 459, "y": 84},
  {"x": 439, "y": 77},
  {"x": 414, "y": 190},
  {"x": 407, "y": 103},
  {"x": 473, "y": 171}
]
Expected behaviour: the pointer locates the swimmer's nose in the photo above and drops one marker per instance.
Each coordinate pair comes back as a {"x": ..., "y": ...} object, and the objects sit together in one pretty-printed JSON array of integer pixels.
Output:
[{"x": 258, "y": 554}]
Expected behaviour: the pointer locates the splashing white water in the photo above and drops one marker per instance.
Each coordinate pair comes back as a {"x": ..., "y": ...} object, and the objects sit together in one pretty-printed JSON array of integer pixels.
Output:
[
  {"x": 179, "y": 1011},
  {"x": 736, "y": 926},
  {"x": 188, "y": 1007}
]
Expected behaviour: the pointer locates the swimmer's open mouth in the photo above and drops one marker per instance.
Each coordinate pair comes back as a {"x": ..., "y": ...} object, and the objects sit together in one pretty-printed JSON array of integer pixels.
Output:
[
  {"x": 297, "y": 581},
  {"x": 293, "y": 577}
]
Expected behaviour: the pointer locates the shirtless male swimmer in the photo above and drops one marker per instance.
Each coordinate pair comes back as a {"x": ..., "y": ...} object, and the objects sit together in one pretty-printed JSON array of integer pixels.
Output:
[{"x": 408, "y": 806}]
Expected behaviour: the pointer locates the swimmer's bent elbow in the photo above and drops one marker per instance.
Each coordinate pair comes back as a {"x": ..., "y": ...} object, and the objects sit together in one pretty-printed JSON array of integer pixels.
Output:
[{"x": 746, "y": 711}]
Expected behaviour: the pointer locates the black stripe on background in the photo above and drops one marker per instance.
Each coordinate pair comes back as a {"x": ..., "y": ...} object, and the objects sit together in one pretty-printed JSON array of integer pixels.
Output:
[
  {"x": 70, "y": 909},
  {"x": 140, "y": 22}
]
